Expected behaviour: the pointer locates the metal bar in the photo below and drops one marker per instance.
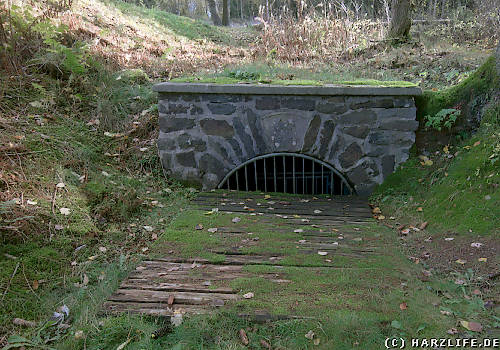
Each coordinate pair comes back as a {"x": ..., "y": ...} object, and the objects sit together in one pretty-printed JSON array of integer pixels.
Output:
[
  {"x": 237, "y": 181},
  {"x": 313, "y": 164},
  {"x": 338, "y": 175},
  {"x": 255, "y": 171},
  {"x": 303, "y": 176},
  {"x": 265, "y": 175},
  {"x": 322, "y": 180},
  {"x": 293, "y": 174},
  {"x": 341, "y": 187},
  {"x": 331, "y": 184},
  {"x": 228, "y": 183},
  {"x": 246, "y": 178},
  {"x": 284, "y": 175},
  {"x": 275, "y": 187}
]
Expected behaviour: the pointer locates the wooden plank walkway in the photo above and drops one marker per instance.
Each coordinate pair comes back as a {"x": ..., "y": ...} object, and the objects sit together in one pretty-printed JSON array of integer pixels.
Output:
[{"x": 165, "y": 286}]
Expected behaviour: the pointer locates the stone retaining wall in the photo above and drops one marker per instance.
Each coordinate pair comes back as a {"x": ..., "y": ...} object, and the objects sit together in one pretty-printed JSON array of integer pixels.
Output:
[{"x": 208, "y": 130}]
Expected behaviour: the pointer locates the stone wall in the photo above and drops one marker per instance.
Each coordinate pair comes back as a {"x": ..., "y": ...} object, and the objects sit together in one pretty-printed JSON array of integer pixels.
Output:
[{"x": 208, "y": 130}]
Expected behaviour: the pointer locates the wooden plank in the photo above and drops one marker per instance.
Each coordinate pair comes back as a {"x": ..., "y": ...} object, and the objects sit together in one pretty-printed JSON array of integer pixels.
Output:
[
  {"x": 153, "y": 309},
  {"x": 191, "y": 298},
  {"x": 174, "y": 287}
]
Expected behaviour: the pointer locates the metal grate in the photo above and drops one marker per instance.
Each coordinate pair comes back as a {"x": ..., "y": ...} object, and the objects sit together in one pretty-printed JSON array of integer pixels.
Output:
[{"x": 288, "y": 173}]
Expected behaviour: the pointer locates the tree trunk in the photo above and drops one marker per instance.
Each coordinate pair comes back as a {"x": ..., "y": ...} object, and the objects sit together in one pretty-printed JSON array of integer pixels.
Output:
[
  {"x": 214, "y": 15},
  {"x": 225, "y": 12},
  {"x": 400, "y": 25}
]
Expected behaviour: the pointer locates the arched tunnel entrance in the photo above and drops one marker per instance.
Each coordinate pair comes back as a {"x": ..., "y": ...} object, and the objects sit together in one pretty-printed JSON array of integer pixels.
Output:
[{"x": 287, "y": 173}]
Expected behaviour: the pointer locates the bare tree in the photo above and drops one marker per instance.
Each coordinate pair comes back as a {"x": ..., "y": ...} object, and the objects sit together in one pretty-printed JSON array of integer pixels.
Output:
[
  {"x": 399, "y": 28},
  {"x": 225, "y": 12},
  {"x": 213, "y": 12}
]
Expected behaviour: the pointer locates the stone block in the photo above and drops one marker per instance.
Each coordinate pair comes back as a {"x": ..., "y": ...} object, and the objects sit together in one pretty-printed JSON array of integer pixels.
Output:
[
  {"x": 267, "y": 103},
  {"x": 170, "y": 124},
  {"x": 399, "y": 124},
  {"x": 358, "y": 131},
  {"x": 221, "y": 108},
  {"x": 365, "y": 116},
  {"x": 186, "y": 159},
  {"x": 300, "y": 103},
  {"x": 311, "y": 133},
  {"x": 351, "y": 155},
  {"x": 216, "y": 127}
]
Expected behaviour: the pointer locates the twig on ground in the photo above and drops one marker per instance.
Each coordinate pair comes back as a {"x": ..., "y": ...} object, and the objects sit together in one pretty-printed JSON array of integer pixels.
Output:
[
  {"x": 10, "y": 281},
  {"x": 29, "y": 285}
]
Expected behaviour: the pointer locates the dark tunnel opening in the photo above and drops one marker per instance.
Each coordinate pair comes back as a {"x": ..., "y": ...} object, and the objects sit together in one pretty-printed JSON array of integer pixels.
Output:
[{"x": 286, "y": 173}]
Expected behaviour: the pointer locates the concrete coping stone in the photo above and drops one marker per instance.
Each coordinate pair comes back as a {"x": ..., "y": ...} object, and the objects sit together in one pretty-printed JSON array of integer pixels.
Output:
[{"x": 264, "y": 89}]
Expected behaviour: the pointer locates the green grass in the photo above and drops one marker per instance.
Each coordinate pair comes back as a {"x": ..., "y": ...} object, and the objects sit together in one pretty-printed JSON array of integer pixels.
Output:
[
  {"x": 179, "y": 25},
  {"x": 277, "y": 74},
  {"x": 457, "y": 192},
  {"x": 345, "y": 307}
]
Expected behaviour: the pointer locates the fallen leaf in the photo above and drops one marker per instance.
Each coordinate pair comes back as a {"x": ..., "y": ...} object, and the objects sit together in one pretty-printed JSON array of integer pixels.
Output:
[
  {"x": 423, "y": 225},
  {"x": 449, "y": 239},
  {"x": 103, "y": 249},
  {"x": 243, "y": 337},
  {"x": 317, "y": 211},
  {"x": 236, "y": 220},
  {"x": 23, "y": 323},
  {"x": 79, "y": 334},
  {"x": 477, "y": 143},
  {"x": 60, "y": 185},
  {"x": 322, "y": 253},
  {"x": 124, "y": 344},
  {"x": 405, "y": 231},
  {"x": 376, "y": 210},
  {"x": 403, "y": 306},
  {"x": 482, "y": 259},
  {"x": 85, "y": 279},
  {"x": 452, "y": 331},
  {"x": 198, "y": 227},
  {"x": 248, "y": 295},
  {"x": 461, "y": 261},
  {"x": 212, "y": 229},
  {"x": 170, "y": 299},
  {"x": 420, "y": 209},
  {"x": 265, "y": 344},
  {"x": 309, "y": 335},
  {"x": 380, "y": 217},
  {"x": 35, "y": 284},
  {"x": 299, "y": 230},
  {"x": 472, "y": 326},
  {"x": 31, "y": 202},
  {"x": 176, "y": 319},
  {"x": 148, "y": 228},
  {"x": 316, "y": 341},
  {"x": 59, "y": 227},
  {"x": 65, "y": 211},
  {"x": 154, "y": 236},
  {"x": 476, "y": 245}
]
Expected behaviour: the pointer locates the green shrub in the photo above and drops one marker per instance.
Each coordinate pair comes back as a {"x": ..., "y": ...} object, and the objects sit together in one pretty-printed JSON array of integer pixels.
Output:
[{"x": 444, "y": 118}]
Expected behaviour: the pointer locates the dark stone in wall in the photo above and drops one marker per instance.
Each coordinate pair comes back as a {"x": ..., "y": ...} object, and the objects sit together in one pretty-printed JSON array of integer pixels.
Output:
[
  {"x": 244, "y": 137},
  {"x": 267, "y": 102},
  {"x": 195, "y": 110},
  {"x": 166, "y": 143},
  {"x": 166, "y": 161},
  {"x": 370, "y": 102},
  {"x": 217, "y": 128},
  {"x": 302, "y": 104},
  {"x": 253, "y": 123},
  {"x": 218, "y": 148},
  {"x": 236, "y": 147},
  {"x": 359, "y": 117},
  {"x": 326, "y": 137},
  {"x": 399, "y": 125},
  {"x": 169, "y": 124},
  {"x": 186, "y": 159},
  {"x": 351, "y": 155},
  {"x": 221, "y": 108},
  {"x": 220, "y": 98},
  {"x": 212, "y": 165},
  {"x": 186, "y": 141},
  {"x": 312, "y": 133},
  {"x": 173, "y": 108},
  {"x": 331, "y": 108},
  {"x": 359, "y": 132}
]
